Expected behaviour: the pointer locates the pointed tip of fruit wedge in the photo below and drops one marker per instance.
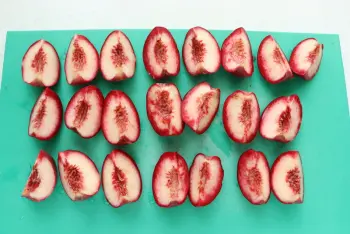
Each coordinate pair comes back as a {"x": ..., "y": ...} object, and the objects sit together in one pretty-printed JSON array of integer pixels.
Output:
[
  {"x": 121, "y": 179},
  {"x": 306, "y": 58},
  {"x": 201, "y": 52},
  {"x": 200, "y": 106},
  {"x": 82, "y": 61},
  {"x": 287, "y": 181},
  {"x": 272, "y": 62},
  {"x": 160, "y": 54},
  {"x": 41, "y": 65},
  {"x": 117, "y": 57}
]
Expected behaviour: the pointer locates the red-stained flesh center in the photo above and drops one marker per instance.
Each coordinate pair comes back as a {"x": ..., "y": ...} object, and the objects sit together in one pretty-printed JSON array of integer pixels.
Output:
[
  {"x": 81, "y": 111},
  {"x": 34, "y": 180},
  {"x": 160, "y": 51},
  {"x": 293, "y": 180},
  {"x": 39, "y": 61},
  {"x": 203, "y": 104},
  {"x": 164, "y": 106},
  {"x": 237, "y": 51},
  {"x": 246, "y": 115},
  {"x": 79, "y": 57},
  {"x": 73, "y": 176},
  {"x": 204, "y": 176},
  {"x": 173, "y": 182},
  {"x": 119, "y": 181},
  {"x": 38, "y": 119},
  {"x": 118, "y": 56},
  {"x": 121, "y": 118},
  {"x": 198, "y": 50},
  {"x": 284, "y": 121},
  {"x": 277, "y": 56},
  {"x": 254, "y": 180},
  {"x": 312, "y": 55}
]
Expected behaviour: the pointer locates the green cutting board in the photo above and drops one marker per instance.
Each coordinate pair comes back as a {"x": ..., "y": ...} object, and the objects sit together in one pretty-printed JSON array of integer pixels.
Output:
[{"x": 323, "y": 141}]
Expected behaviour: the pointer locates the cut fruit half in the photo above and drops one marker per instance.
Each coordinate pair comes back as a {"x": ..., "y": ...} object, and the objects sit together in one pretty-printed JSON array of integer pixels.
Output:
[
  {"x": 120, "y": 120},
  {"x": 121, "y": 179},
  {"x": 236, "y": 54},
  {"x": 46, "y": 116},
  {"x": 84, "y": 111},
  {"x": 206, "y": 175},
  {"x": 287, "y": 180},
  {"x": 163, "y": 102},
  {"x": 41, "y": 65},
  {"x": 170, "y": 181},
  {"x": 200, "y": 106},
  {"x": 200, "y": 52},
  {"x": 79, "y": 175},
  {"x": 117, "y": 57},
  {"x": 160, "y": 54},
  {"x": 281, "y": 119},
  {"x": 306, "y": 58},
  {"x": 82, "y": 61},
  {"x": 272, "y": 63},
  {"x": 42, "y": 179},
  {"x": 241, "y": 116},
  {"x": 253, "y": 177}
]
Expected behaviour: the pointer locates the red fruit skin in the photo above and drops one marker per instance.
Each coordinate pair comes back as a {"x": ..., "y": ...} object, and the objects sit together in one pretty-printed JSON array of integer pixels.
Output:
[
  {"x": 155, "y": 31},
  {"x": 50, "y": 93}
]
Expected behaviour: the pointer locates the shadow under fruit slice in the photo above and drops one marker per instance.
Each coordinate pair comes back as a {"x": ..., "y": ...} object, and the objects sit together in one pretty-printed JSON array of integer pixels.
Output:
[
  {"x": 206, "y": 175},
  {"x": 46, "y": 116},
  {"x": 42, "y": 179},
  {"x": 121, "y": 179},
  {"x": 163, "y": 104},
  {"x": 117, "y": 57},
  {"x": 253, "y": 177},
  {"x": 84, "y": 111},
  {"x": 82, "y": 61},
  {"x": 79, "y": 175},
  {"x": 120, "y": 120},
  {"x": 170, "y": 182}
]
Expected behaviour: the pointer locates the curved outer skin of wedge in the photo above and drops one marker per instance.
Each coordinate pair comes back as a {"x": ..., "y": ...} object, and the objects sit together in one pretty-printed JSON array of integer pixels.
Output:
[
  {"x": 41, "y": 65},
  {"x": 306, "y": 58},
  {"x": 272, "y": 63},
  {"x": 117, "y": 57},
  {"x": 163, "y": 104},
  {"x": 236, "y": 54},
  {"x": 46, "y": 116},
  {"x": 160, "y": 54}
]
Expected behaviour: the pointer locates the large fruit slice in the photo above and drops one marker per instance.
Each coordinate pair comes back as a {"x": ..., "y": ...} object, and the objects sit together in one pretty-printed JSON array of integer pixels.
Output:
[
  {"x": 281, "y": 119},
  {"x": 306, "y": 58},
  {"x": 46, "y": 116},
  {"x": 121, "y": 179},
  {"x": 200, "y": 106},
  {"x": 241, "y": 116},
  {"x": 42, "y": 179},
  {"x": 200, "y": 52},
  {"x": 253, "y": 177},
  {"x": 170, "y": 181},
  {"x": 79, "y": 175},
  {"x": 120, "y": 120},
  {"x": 82, "y": 61},
  {"x": 163, "y": 102},
  {"x": 236, "y": 54},
  {"x": 117, "y": 57},
  {"x": 272, "y": 63},
  {"x": 84, "y": 111},
  {"x": 160, "y": 54},
  {"x": 206, "y": 175},
  {"x": 41, "y": 65},
  {"x": 287, "y": 180}
]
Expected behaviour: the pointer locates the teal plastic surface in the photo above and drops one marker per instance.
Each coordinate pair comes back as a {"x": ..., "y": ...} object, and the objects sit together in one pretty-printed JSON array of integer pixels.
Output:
[{"x": 323, "y": 143}]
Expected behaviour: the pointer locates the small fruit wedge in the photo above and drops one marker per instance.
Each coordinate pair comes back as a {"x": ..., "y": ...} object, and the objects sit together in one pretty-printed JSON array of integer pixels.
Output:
[
  {"x": 281, "y": 119},
  {"x": 41, "y": 65},
  {"x": 241, "y": 116},
  {"x": 121, "y": 179},
  {"x": 200, "y": 106},
  {"x": 206, "y": 175},
  {"x": 120, "y": 120},
  {"x": 42, "y": 179},
  {"x": 163, "y": 104},
  {"x": 287, "y": 180},
  {"x": 82, "y": 61},
  {"x": 160, "y": 54},
  {"x": 46, "y": 116},
  {"x": 200, "y": 52},
  {"x": 236, "y": 54},
  {"x": 79, "y": 175},
  {"x": 272, "y": 63},
  {"x": 170, "y": 181},
  {"x": 117, "y": 57},
  {"x": 84, "y": 111},
  {"x": 253, "y": 175},
  {"x": 306, "y": 58}
]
